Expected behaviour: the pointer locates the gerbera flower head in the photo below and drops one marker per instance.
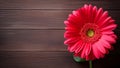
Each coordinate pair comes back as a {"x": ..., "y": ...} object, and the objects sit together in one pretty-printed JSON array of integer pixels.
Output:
[{"x": 89, "y": 32}]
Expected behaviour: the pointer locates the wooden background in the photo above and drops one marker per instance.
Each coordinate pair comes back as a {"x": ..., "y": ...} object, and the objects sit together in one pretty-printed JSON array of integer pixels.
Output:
[{"x": 31, "y": 33}]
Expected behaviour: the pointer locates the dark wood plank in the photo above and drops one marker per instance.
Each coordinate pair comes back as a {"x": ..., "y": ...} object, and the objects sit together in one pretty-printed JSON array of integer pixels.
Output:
[
  {"x": 36, "y": 40},
  {"x": 56, "y": 4},
  {"x": 37, "y": 60},
  {"x": 32, "y": 40},
  {"x": 52, "y": 60},
  {"x": 32, "y": 18},
  {"x": 38, "y": 19}
]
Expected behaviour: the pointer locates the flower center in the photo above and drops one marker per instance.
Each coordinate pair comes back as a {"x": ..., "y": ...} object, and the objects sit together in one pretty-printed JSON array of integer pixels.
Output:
[{"x": 90, "y": 33}]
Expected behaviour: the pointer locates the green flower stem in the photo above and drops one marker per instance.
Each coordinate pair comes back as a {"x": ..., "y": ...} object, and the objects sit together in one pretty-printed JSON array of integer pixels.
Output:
[{"x": 90, "y": 64}]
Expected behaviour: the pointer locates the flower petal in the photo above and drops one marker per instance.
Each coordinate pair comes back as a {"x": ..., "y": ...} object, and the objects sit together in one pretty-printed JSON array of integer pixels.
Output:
[
  {"x": 76, "y": 46},
  {"x": 108, "y": 38},
  {"x": 83, "y": 51},
  {"x": 110, "y": 27},
  {"x": 96, "y": 51},
  {"x": 100, "y": 22},
  {"x": 71, "y": 29},
  {"x": 71, "y": 40},
  {"x": 99, "y": 13},
  {"x": 93, "y": 14},
  {"x": 88, "y": 49},
  {"x": 106, "y": 44},
  {"x": 68, "y": 24},
  {"x": 100, "y": 46},
  {"x": 107, "y": 32},
  {"x": 80, "y": 47},
  {"x": 90, "y": 13}
]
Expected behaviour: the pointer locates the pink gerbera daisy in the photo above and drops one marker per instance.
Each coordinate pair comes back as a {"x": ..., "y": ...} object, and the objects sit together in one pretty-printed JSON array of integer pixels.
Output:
[{"x": 89, "y": 32}]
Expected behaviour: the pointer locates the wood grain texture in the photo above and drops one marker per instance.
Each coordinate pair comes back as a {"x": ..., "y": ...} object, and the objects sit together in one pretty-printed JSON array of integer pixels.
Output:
[
  {"x": 31, "y": 33},
  {"x": 36, "y": 40},
  {"x": 56, "y": 4},
  {"x": 37, "y": 60},
  {"x": 39, "y": 19},
  {"x": 51, "y": 60},
  {"x": 32, "y": 40}
]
